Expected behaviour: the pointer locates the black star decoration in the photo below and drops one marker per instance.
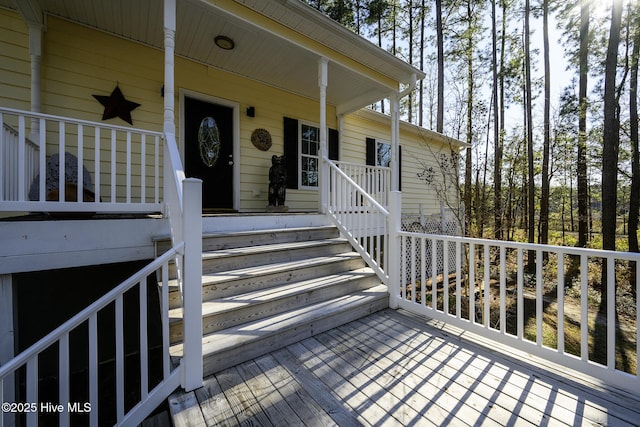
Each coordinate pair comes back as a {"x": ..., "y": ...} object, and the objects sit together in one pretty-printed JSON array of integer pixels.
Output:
[{"x": 116, "y": 106}]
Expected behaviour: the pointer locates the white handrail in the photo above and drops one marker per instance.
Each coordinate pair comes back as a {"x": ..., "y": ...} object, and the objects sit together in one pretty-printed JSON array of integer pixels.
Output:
[
  {"x": 183, "y": 199},
  {"x": 360, "y": 218},
  {"x": 488, "y": 289},
  {"x": 171, "y": 378},
  {"x": 374, "y": 180},
  {"x": 183, "y": 206},
  {"x": 357, "y": 187},
  {"x": 14, "y": 152},
  {"x": 117, "y": 167}
]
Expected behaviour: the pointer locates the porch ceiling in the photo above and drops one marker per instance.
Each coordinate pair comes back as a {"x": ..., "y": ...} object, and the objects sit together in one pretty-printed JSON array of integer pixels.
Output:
[{"x": 262, "y": 52}]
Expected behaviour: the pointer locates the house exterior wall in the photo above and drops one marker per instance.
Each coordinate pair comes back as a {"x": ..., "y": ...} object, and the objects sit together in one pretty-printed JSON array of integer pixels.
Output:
[
  {"x": 271, "y": 106},
  {"x": 421, "y": 150},
  {"x": 15, "y": 63},
  {"x": 79, "y": 62}
]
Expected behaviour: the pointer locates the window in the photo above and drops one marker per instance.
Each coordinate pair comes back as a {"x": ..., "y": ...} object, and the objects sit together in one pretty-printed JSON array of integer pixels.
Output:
[
  {"x": 302, "y": 152},
  {"x": 309, "y": 155},
  {"x": 378, "y": 153},
  {"x": 383, "y": 154}
]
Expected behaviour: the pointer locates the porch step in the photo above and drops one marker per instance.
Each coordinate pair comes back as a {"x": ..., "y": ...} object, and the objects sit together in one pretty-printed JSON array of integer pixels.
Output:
[
  {"x": 247, "y": 341},
  {"x": 224, "y": 284},
  {"x": 266, "y": 254},
  {"x": 265, "y": 289},
  {"x": 221, "y": 260},
  {"x": 236, "y": 309},
  {"x": 249, "y": 238}
]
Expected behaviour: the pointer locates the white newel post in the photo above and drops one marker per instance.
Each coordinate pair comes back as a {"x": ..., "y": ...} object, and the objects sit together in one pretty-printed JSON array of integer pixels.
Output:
[
  {"x": 394, "y": 102},
  {"x": 324, "y": 153},
  {"x": 35, "y": 51},
  {"x": 169, "y": 64},
  {"x": 192, "y": 284},
  {"x": 395, "y": 211}
]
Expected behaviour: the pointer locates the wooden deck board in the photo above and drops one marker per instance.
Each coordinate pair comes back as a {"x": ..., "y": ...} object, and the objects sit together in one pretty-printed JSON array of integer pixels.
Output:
[{"x": 394, "y": 369}]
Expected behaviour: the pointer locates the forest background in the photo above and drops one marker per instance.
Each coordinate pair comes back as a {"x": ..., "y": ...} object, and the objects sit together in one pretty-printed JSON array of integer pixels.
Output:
[{"x": 561, "y": 168}]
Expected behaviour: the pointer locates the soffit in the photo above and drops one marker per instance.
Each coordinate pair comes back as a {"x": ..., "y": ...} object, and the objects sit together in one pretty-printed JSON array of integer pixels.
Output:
[{"x": 271, "y": 57}]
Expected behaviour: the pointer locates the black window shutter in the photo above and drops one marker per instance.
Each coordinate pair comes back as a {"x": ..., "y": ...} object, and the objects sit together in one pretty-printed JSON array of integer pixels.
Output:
[
  {"x": 399, "y": 168},
  {"x": 334, "y": 151},
  {"x": 290, "y": 136},
  {"x": 371, "y": 152}
]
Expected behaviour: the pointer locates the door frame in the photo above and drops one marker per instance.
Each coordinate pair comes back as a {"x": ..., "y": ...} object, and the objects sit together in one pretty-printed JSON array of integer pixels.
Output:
[{"x": 236, "y": 133}]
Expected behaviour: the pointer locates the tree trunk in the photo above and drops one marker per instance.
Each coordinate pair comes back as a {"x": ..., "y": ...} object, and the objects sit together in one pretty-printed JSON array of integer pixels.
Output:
[
  {"x": 497, "y": 139},
  {"x": 610, "y": 143},
  {"x": 529, "y": 127},
  {"x": 421, "y": 96},
  {"x": 634, "y": 196},
  {"x": 582, "y": 125},
  {"x": 470, "y": 90},
  {"x": 410, "y": 26},
  {"x": 610, "y": 146},
  {"x": 544, "y": 200},
  {"x": 440, "y": 43}
]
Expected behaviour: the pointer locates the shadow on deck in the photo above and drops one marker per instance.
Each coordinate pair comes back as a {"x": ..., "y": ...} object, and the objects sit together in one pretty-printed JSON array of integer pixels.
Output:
[{"x": 393, "y": 368}]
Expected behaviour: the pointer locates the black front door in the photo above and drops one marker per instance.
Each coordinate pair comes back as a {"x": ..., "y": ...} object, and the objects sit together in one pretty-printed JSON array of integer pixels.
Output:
[{"x": 208, "y": 151}]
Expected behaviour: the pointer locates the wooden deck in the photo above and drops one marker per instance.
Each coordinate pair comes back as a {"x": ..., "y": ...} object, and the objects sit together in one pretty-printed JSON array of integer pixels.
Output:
[{"x": 392, "y": 368}]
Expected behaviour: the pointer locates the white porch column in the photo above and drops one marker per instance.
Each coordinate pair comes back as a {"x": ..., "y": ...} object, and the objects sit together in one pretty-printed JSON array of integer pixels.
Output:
[
  {"x": 323, "y": 169},
  {"x": 35, "y": 51},
  {"x": 394, "y": 101},
  {"x": 169, "y": 63},
  {"x": 192, "y": 284},
  {"x": 395, "y": 211}
]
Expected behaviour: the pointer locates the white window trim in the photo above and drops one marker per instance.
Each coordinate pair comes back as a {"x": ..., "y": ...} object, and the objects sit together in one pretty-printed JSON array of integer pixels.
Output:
[{"x": 300, "y": 155}]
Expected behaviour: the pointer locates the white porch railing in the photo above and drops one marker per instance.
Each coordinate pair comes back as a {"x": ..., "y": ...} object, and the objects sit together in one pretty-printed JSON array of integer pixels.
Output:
[
  {"x": 361, "y": 218},
  {"x": 374, "y": 180},
  {"x": 106, "y": 168},
  {"x": 483, "y": 286},
  {"x": 15, "y": 152},
  {"x": 138, "y": 162},
  {"x": 58, "y": 340},
  {"x": 549, "y": 312}
]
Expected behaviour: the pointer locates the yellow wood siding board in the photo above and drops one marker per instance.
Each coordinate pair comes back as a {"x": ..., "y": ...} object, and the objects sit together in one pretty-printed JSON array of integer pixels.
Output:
[{"x": 15, "y": 68}]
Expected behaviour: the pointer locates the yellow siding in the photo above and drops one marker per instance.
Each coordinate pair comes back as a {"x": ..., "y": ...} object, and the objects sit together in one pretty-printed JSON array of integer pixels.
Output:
[
  {"x": 271, "y": 105},
  {"x": 420, "y": 149},
  {"x": 14, "y": 61},
  {"x": 79, "y": 62}
]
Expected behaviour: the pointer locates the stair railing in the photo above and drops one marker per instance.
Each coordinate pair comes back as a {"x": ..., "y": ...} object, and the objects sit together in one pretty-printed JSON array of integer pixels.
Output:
[
  {"x": 361, "y": 219},
  {"x": 184, "y": 209},
  {"x": 106, "y": 168},
  {"x": 375, "y": 180},
  {"x": 150, "y": 398}
]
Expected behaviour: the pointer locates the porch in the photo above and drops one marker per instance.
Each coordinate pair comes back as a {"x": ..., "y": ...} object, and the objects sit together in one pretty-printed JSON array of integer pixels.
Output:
[{"x": 393, "y": 368}]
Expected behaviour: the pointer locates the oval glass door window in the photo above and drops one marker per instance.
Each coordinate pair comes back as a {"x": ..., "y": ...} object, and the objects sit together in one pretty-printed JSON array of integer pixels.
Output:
[{"x": 209, "y": 141}]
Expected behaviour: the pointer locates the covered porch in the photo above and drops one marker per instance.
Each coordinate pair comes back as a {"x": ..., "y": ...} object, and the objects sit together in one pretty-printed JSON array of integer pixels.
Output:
[
  {"x": 144, "y": 172},
  {"x": 278, "y": 60},
  {"x": 393, "y": 368}
]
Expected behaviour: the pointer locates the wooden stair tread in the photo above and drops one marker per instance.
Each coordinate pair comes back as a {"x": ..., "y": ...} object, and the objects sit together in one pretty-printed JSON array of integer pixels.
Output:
[
  {"x": 257, "y": 232},
  {"x": 260, "y": 270},
  {"x": 234, "y": 302},
  {"x": 272, "y": 247},
  {"x": 242, "y": 334},
  {"x": 267, "y": 231}
]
